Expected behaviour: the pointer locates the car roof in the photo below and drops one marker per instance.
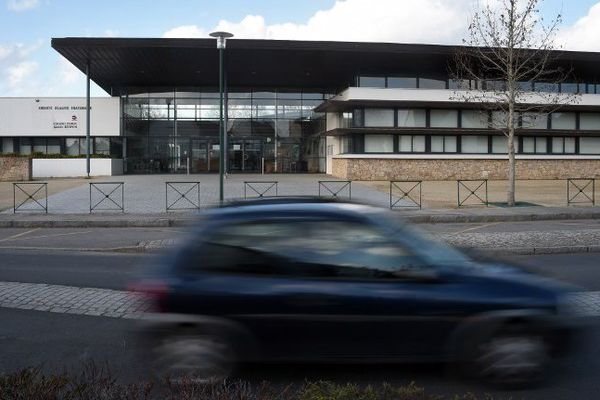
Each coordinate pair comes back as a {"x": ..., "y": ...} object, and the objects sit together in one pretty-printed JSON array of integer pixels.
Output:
[{"x": 283, "y": 205}]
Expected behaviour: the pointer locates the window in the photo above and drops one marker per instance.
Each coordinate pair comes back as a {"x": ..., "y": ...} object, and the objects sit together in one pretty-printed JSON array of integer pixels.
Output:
[
  {"x": 459, "y": 84},
  {"x": 72, "y": 146},
  {"x": 474, "y": 144},
  {"x": 404, "y": 83},
  {"x": 500, "y": 119},
  {"x": 379, "y": 117},
  {"x": 537, "y": 145},
  {"x": 563, "y": 120},
  {"x": 371, "y": 81},
  {"x": 25, "y": 146},
  {"x": 443, "y": 144},
  {"x": 358, "y": 117},
  {"x": 474, "y": 119},
  {"x": 589, "y": 145},
  {"x": 534, "y": 121},
  {"x": 411, "y": 118},
  {"x": 568, "y": 87},
  {"x": 563, "y": 145},
  {"x": 320, "y": 248},
  {"x": 8, "y": 145},
  {"x": 589, "y": 121},
  {"x": 346, "y": 145},
  {"x": 54, "y": 145},
  {"x": 102, "y": 146},
  {"x": 500, "y": 145},
  {"x": 427, "y": 83},
  {"x": 411, "y": 144},
  {"x": 525, "y": 86},
  {"x": 546, "y": 87},
  {"x": 444, "y": 118},
  {"x": 379, "y": 144},
  {"x": 495, "y": 86},
  {"x": 39, "y": 145}
]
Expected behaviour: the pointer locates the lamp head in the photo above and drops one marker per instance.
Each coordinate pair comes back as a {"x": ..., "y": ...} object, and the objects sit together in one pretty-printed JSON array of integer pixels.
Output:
[{"x": 221, "y": 38}]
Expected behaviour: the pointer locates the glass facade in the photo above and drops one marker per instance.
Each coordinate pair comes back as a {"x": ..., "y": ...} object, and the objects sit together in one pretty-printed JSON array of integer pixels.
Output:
[{"x": 178, "y": 132}]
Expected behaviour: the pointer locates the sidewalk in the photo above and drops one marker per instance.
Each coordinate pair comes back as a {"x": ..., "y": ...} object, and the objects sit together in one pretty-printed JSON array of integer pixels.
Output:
[{"x": 463, "y": 215}]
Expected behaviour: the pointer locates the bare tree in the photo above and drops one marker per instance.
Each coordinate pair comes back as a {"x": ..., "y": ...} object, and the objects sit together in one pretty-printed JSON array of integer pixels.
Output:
[{"x": 508, "y": 47}]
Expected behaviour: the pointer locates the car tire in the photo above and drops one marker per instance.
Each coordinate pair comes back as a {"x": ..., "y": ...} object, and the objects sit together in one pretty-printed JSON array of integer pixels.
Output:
[
  {"x": 193, "y": 358},
  {"x": 512, "y": 359}
]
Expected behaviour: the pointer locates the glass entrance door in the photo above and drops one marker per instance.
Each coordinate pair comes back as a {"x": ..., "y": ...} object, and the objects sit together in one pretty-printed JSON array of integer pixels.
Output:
[
  {"x": 245, "y": 155},
  {"x": 199, "y": 161}
]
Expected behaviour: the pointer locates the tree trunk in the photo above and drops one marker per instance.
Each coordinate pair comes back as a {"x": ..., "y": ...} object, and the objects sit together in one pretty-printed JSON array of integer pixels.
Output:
[{"x": 510, "y": 194}]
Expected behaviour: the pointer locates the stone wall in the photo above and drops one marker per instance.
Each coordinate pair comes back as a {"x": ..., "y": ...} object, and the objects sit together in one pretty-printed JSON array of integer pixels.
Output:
[
  {"x": 453, "y": 169},
  {"x": 14, "y": 169}
]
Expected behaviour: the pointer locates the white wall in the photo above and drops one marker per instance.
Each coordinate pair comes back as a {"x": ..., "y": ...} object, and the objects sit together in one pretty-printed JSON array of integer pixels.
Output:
[
  {"x": 54, "y": 116},
  {"x": 75, "y": 167}
]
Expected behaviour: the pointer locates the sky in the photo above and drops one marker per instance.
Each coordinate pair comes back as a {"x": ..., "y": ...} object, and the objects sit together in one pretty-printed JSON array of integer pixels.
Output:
[{"x": 30, "y": 67}]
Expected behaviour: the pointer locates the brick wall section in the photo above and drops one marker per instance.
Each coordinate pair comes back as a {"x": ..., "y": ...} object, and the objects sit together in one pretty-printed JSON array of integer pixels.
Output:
[
  {"x": 13, "y": 169},
  {"x": 440, "y": 170}
]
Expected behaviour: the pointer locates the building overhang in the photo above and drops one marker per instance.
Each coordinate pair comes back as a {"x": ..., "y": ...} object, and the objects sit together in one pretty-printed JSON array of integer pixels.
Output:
[{"x": 120, "y": 65}]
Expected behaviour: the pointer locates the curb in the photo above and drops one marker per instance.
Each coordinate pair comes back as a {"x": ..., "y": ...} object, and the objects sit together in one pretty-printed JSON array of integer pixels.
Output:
[{"x": 183, "y": 222}]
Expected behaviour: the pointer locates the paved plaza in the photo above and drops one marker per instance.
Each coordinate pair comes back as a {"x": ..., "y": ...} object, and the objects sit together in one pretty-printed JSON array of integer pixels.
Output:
[{"x": 151, "y": 194}]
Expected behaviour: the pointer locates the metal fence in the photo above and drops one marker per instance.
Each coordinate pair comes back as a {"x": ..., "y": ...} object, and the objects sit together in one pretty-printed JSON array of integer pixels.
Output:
[
  {"x": 335, "y": 189},
  {"x": 29, "y": 194},
  {"x": 253, "y": 189},
  {"x": 180, "y": 196},
  {"x": 406, "y": 194},
  {"x": 476, "y": 189},
  {"x": 107, "y": 194},
  {"x": 581, "y": 191}
]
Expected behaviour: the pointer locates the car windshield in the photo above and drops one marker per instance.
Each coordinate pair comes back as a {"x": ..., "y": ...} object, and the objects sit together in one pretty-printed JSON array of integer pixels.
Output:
[{"x": 430, "y": 248}]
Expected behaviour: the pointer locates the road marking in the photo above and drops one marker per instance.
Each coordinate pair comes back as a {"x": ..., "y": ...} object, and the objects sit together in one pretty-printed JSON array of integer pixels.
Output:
[
  {"x": 18, "y": 235},
  {"x": 475, "y": 228},
  {"x": 71, "y": 300},
  {"x": 59, "y": 234}
]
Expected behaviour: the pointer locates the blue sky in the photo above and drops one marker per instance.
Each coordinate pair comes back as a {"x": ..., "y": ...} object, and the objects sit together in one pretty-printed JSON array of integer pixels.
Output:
[{"x": 29, "y": 67}]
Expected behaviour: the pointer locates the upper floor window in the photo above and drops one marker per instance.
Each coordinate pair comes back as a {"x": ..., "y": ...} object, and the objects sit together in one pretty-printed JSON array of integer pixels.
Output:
[
  {"x": 534, "y": 120},
  {"x": 589, "y": 121},
  {"x": 371, "y": 81},
  {"x": 443, "y": 118},
  {"x": 379, "y": 117},
  {"x": 474, "y": 119},
  {"x": 429, "y": 83},
  {"x": 412, "y": 118},
  {"x": 537, "y": 145},
  {"x": 564, "y": 120},
  {"x": 402, "y": 83}
]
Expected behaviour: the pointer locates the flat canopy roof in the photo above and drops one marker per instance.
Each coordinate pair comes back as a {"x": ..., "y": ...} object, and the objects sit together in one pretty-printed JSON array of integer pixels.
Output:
[{"x": 119, "y": 65}]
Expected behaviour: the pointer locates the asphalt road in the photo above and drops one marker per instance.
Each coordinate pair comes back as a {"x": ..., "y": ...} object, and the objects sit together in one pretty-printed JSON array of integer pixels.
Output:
[{"x": 63, "y": 341}]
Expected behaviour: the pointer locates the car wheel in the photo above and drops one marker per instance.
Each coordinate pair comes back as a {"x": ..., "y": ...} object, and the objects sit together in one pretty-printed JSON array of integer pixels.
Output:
[
  {"x": 189, "y": 358},
  {"x": 512, "y": 359}
]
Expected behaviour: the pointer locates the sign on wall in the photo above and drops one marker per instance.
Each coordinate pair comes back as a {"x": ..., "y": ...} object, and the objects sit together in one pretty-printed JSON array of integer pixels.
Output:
[{"x": 58, "y": 116}]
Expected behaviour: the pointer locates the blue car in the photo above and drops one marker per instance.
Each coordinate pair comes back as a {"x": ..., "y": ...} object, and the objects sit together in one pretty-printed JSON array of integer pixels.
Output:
[{"x": 306, "y": 280}]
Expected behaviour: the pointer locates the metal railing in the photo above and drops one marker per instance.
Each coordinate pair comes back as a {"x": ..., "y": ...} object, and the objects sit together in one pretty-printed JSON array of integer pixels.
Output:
[
  {"x": 30, "y": 190},
  {"x": 584, "y": 193},
  {"x": 408, "y": 196},
  {"x": 477, "y": 190},
  {"x": 260, "y": 189},
  {"x": 103, "y": 193},
  {"x": 181, "y": 196},
  {"x": 335, "y": 189}
]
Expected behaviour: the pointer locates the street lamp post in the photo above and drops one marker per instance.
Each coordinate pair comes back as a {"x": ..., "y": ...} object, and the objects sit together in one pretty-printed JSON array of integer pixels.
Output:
[{"x": 221, "y": 38}]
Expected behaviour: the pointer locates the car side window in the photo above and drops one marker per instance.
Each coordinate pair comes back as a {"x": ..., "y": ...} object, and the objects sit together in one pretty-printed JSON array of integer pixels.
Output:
[{"x": 318, "y": 248}]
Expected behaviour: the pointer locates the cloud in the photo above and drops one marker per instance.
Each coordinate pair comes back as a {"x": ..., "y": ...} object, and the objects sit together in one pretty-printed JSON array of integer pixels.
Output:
[
  {"x": 186, "y": 31},
  {"x": 423, "y": 21},
  {"x": 19, "y": 72},
  {"x": 584, "y": 33},
  {"x": 22, "y": 5}
]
